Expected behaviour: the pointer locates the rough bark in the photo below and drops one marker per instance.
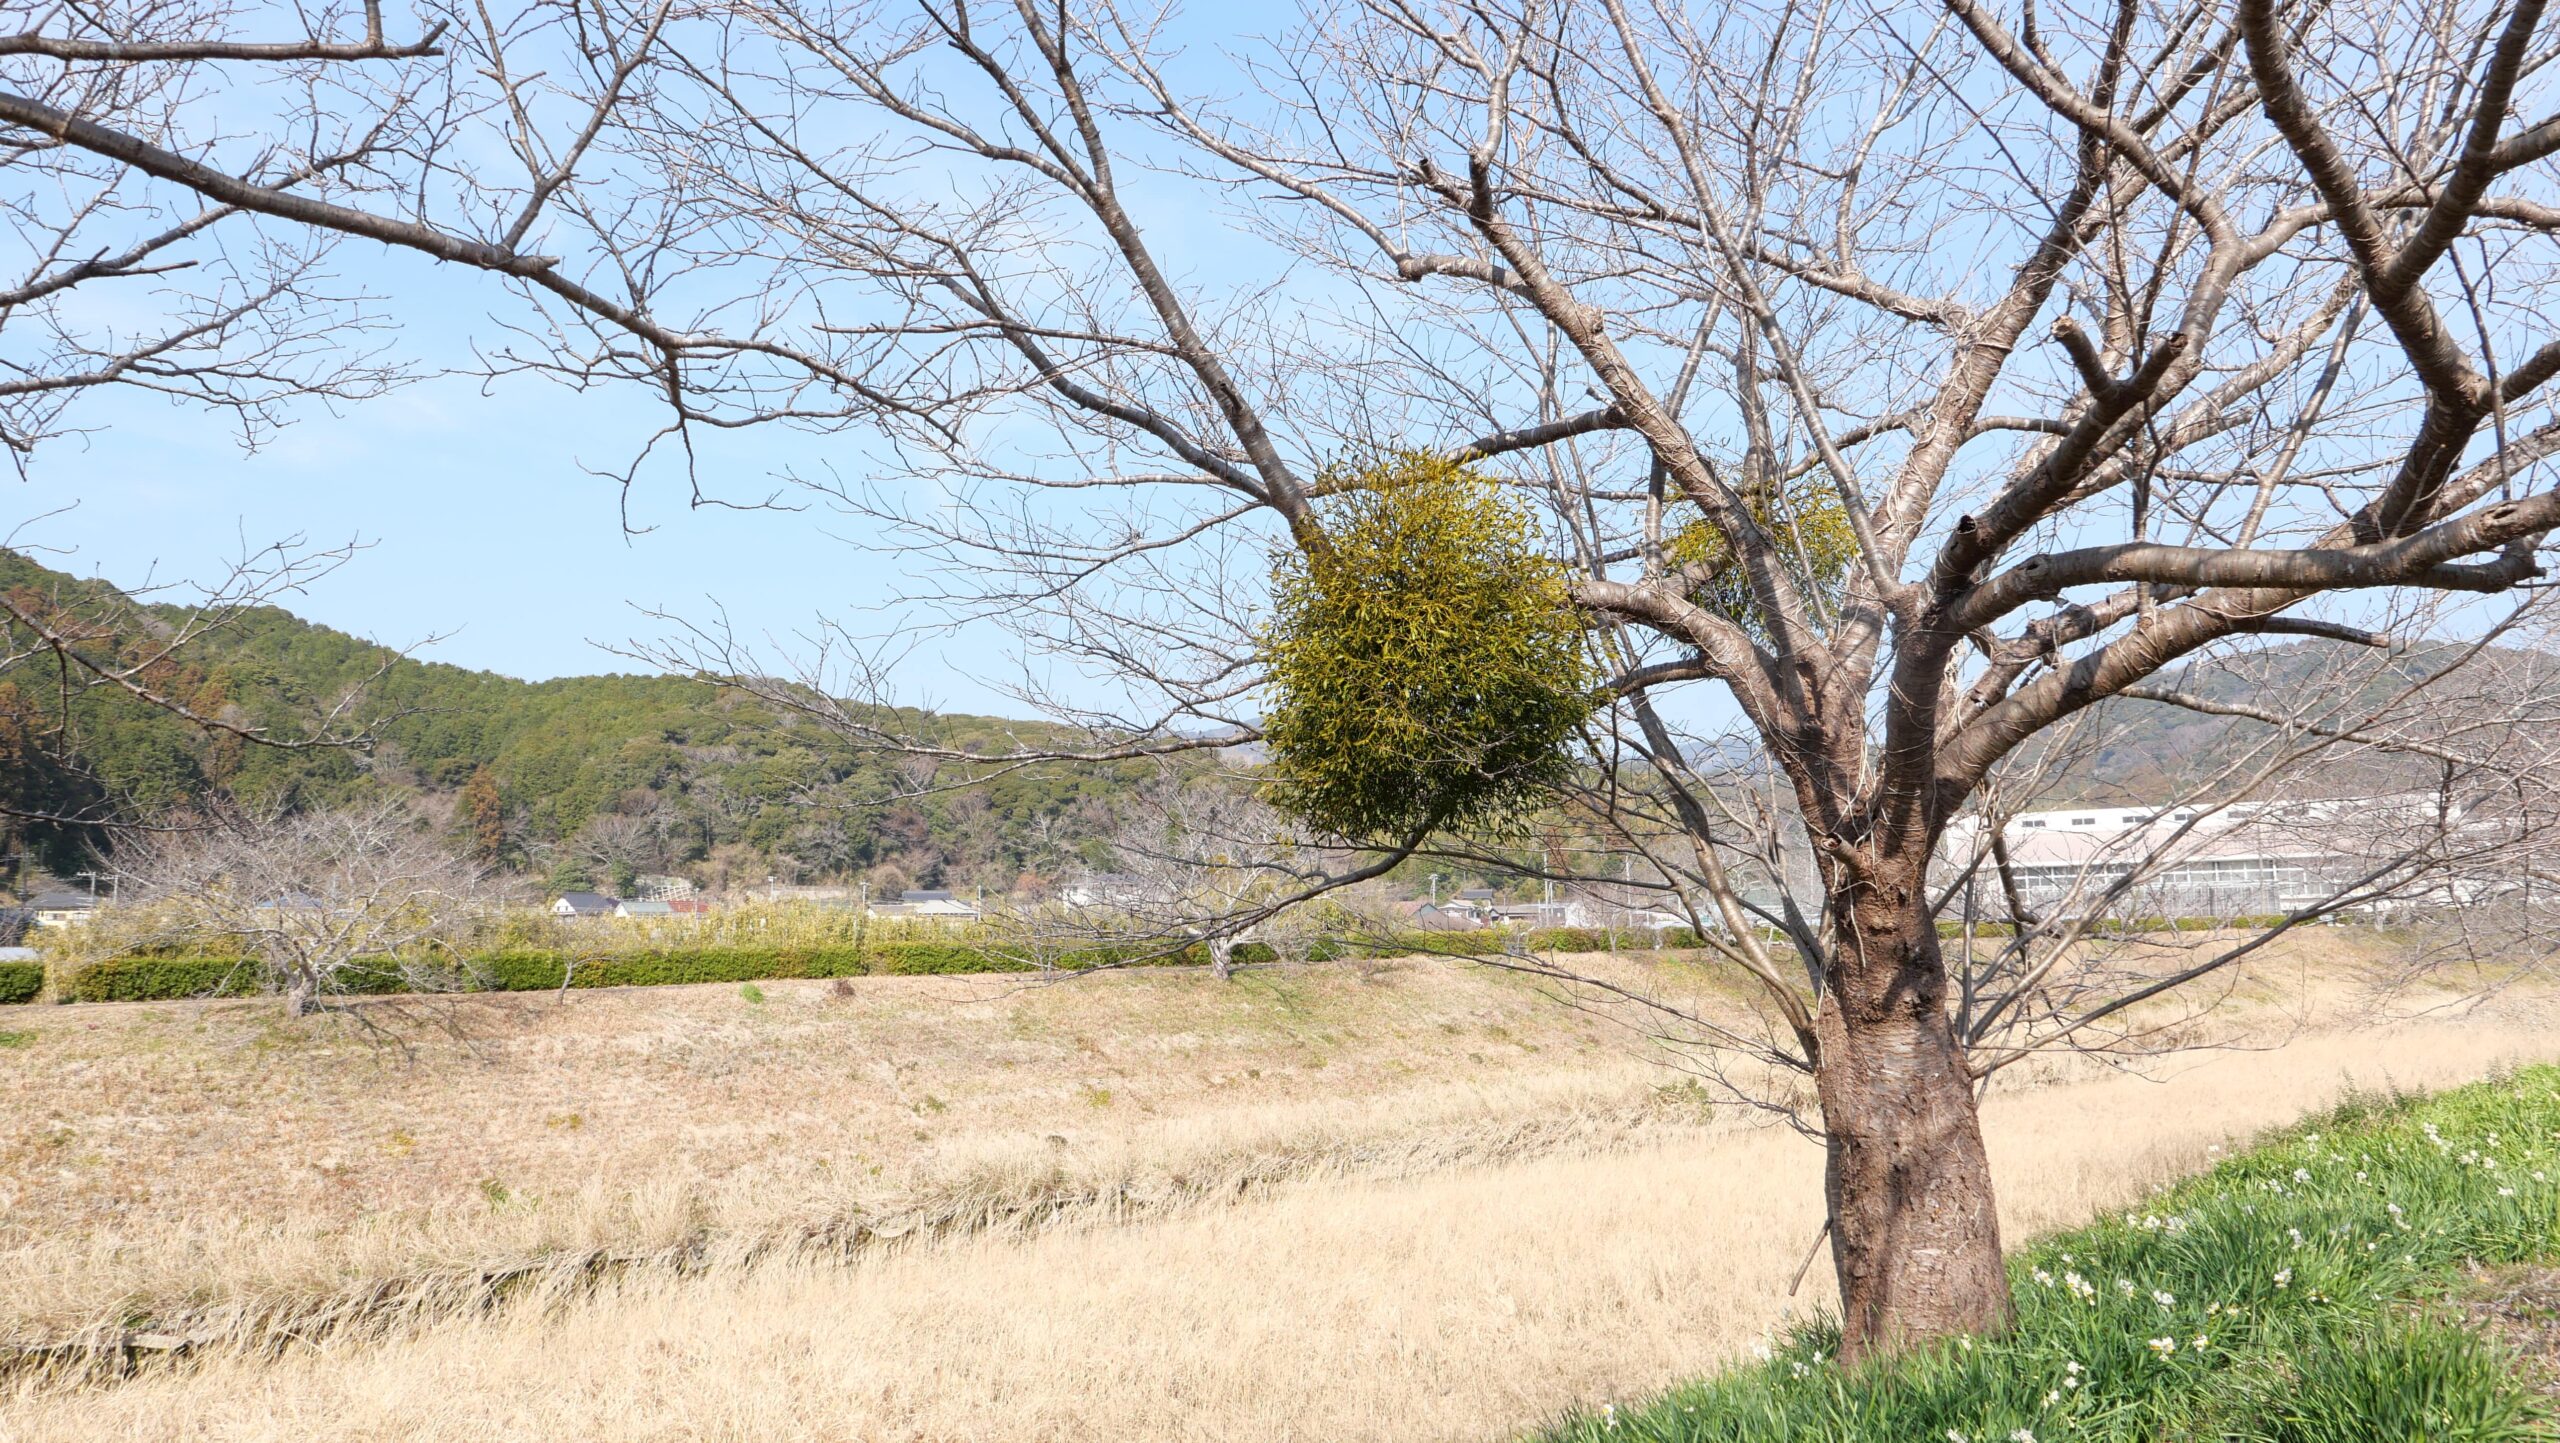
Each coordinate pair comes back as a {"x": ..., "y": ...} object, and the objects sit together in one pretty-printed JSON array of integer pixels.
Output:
[
  {"x": 1222, "y": 957},
  {"x": 1915, "y": 1234}
]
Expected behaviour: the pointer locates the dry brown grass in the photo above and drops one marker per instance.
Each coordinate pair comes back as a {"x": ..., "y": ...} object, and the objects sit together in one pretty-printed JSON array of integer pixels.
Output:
[
  {"x": 214, "y": 1169},
  {"x": 1471, "y": 1304},
  {"x": 1418, "y": 1199}
]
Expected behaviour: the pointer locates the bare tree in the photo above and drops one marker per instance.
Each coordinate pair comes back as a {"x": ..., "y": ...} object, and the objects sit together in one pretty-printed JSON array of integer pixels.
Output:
[
  {"x": 617, "y": 846},
  {"x": 314, "y": 901},
  {"x": 1202, "y": 862},
  {"x": 2110, "y": 340}
]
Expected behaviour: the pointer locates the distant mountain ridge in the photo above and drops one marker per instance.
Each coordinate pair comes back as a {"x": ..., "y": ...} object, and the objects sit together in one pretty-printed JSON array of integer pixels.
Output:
[{"x": 2134, "y": 751}]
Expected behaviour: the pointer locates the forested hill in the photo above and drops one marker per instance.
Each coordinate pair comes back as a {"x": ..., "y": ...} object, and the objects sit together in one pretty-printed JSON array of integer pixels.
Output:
[{"x": 583, "y": 779}]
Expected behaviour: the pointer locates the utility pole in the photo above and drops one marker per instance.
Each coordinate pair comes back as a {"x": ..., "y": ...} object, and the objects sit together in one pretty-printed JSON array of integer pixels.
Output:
[{"x": 1435, "y": 889}]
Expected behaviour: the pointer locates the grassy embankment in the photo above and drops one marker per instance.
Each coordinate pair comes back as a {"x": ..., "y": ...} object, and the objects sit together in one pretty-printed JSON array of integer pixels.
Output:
[
  {"x": 2295, "y": 1294},
  {"x": 213, "y": 1171},
  {"x": 1353, "y": 1202},
  {"x": 1467, "y": 1303}
]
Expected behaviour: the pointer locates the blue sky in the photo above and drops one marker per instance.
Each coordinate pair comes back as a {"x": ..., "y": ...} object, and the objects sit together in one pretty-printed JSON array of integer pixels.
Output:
[
  {"x": 488, "y": 522},
  {"x": 485, "y": 521}
]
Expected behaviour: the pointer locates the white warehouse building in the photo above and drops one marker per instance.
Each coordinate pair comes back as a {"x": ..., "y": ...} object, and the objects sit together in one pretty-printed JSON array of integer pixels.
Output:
[{"x": 2243, "y": 858}]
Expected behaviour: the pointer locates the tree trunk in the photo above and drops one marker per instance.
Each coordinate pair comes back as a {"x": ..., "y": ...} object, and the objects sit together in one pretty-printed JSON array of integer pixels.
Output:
[
  {"x": 1915, "y": 1237},
  {"x": 1222, "y": 957},
  {"x": 301, "y": 994}
]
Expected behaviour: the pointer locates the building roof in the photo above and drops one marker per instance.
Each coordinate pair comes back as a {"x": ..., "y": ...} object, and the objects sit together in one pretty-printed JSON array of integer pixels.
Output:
[
  {"x": 63, "y": 901},
  {"x": 645, "y": 908},
  {"x": 945, "y": 906},
  {"x": 2195, "y": 832},
  {"x": 586, "y": 902},
  {"x": 932, "y": 896},
  {"x": 1432, "y": 917}
]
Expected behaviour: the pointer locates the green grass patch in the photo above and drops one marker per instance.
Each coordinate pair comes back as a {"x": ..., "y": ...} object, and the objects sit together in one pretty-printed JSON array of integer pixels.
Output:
[{"x": 2284, "y": 1297}]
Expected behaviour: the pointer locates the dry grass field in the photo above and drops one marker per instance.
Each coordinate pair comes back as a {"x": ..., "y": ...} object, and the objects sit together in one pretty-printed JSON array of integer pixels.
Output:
[
  {"x": 189, "y": 1161},
  {"x": 1413, "y": 1202}
]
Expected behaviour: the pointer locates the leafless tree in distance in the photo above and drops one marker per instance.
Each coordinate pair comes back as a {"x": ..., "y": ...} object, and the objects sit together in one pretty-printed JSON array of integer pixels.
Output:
[
  {"x": 2115, "y": 339},
  {"x": 1201, "y": 861},
  {"x": 315, "y": 902}
]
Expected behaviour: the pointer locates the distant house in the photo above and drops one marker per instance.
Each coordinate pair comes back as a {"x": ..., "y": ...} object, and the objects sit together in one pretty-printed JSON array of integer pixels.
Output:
[
  {"x": 1102, "y": 889},
  {"x": 689, "y": 906},
  {"x": 1432, "y": 917},
  {"x": 926, "y": 905},
  {"x": 62, "y": 909},
  {"x": 644, "y": 908},
  {"x": 584, "y": 904},
  {"x": 1543, "y": 914}
]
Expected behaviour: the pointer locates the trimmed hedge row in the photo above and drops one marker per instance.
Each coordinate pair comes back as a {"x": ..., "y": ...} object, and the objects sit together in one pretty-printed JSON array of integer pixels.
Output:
[
  {"x": 169, "y": 979},
  {"x": 160, "y": 979},
  {"x": 536, "y": 971},
  {"x": 172, "y": 979},
  {"x": 20, "y": 981}
]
